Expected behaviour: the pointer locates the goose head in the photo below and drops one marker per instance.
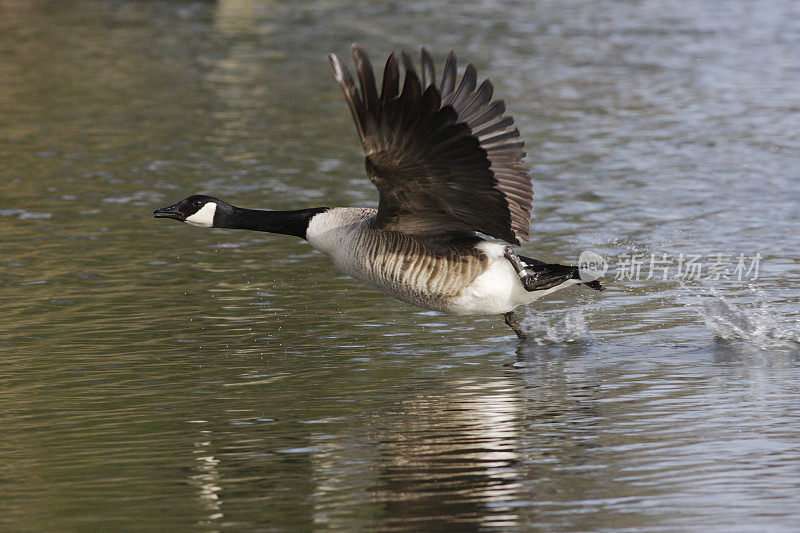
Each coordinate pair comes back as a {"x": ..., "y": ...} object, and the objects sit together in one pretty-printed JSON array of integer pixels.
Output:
[{"x": 196, "y": 210}]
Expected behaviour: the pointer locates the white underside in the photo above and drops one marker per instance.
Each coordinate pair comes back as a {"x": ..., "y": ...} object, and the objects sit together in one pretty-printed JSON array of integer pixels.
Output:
[
  {"x": 337, "y": 233},
  {"x": 499, "y": 289}
]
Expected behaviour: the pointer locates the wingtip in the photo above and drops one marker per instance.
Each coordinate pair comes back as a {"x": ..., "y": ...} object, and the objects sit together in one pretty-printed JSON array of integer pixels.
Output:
[
  {"x": 360, "y": 57},
  {"x": 336, "y": 65},
  {"x": 471, "y": 71}
]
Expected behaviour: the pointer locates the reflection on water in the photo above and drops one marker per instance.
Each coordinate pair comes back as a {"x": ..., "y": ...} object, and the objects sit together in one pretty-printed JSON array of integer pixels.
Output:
[
  {"x": 219, "y": 379},
  {"x": 452, "y": 455}
]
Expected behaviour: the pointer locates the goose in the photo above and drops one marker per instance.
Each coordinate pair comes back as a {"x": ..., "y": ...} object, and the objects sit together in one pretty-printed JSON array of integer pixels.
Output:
[{"x": 448, "y": 165}]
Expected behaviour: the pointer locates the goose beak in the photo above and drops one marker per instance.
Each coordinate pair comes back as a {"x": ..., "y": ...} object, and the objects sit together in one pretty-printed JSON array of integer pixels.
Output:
[{"x": 171, "y": 211}]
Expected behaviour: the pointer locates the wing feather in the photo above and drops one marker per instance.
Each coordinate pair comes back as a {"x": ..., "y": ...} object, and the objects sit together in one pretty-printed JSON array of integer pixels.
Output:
[
  {"x": 428, "y": 70},
  {"x": 446, "y": 161},
  {"x": 449, "y": 74}
]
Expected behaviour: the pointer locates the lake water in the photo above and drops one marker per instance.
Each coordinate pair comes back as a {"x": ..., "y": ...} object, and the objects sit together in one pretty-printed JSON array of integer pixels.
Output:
[{"x": 155, "y": 376}]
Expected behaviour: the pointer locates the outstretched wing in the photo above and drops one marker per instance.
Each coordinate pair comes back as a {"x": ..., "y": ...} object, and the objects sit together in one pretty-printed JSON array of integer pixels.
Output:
[{"x": 445, "y": 160}]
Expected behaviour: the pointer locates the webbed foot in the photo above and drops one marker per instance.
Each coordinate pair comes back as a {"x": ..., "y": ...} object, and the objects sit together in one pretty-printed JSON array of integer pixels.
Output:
[{"x": 513, "y": 323}]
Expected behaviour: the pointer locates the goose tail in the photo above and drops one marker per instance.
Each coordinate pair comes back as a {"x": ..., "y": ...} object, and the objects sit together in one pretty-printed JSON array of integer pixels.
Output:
[{"x": 549, "y": 275}]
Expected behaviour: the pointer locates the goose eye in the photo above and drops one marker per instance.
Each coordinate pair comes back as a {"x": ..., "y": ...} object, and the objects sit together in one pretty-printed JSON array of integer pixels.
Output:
[{"x": 198, "y": 203}]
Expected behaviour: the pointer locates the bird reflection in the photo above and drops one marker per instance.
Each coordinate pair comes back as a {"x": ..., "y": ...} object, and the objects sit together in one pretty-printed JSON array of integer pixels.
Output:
[
  {"x": 452, "y": 456},
  {"x": 479, "y": 452}
]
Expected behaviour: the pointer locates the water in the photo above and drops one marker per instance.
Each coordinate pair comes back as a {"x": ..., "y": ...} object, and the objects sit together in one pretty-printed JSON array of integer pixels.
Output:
[{"x": 157, "y": 376}]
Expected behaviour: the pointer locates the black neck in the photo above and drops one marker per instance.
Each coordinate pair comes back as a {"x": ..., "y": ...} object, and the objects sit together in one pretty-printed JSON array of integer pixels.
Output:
[{"x": 283, "y": 222}]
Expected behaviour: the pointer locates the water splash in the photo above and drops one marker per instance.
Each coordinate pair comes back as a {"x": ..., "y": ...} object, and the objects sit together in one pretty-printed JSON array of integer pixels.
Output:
[
  {"x": 566, "y": 328},
  {"x": 758, "y": 324}
]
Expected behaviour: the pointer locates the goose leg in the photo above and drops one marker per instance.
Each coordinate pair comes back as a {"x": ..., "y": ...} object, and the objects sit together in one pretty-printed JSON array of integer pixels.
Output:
[
  {"x": 528, "y": 281},
  {"x": 513, "y": 323}
]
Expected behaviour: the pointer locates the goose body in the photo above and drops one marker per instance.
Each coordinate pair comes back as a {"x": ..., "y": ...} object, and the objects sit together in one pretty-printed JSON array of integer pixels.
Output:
[
  {"x": 448, "y": 166},
  {"x": 464, "y": 278}
]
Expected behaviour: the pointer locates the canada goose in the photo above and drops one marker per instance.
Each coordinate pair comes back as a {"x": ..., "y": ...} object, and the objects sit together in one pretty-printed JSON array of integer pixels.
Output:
[{"x": 447, "y": 165}]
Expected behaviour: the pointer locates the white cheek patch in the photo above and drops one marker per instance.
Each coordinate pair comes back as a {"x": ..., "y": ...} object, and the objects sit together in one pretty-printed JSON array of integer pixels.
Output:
[{"x": 204, "y": 218}]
